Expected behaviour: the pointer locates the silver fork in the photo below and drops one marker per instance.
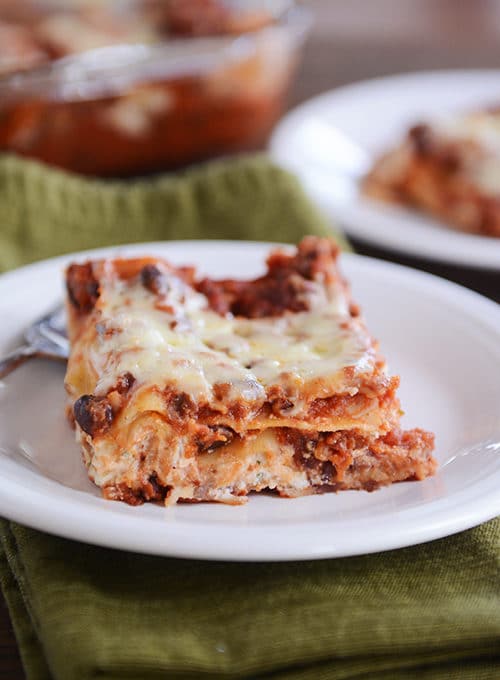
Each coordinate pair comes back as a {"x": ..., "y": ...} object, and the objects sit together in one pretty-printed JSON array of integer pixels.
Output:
[{"x": 45, "y": 338}]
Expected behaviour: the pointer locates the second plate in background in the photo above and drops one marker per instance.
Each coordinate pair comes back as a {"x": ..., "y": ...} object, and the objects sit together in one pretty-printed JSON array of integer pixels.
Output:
[{"x": 331, "y": 141}]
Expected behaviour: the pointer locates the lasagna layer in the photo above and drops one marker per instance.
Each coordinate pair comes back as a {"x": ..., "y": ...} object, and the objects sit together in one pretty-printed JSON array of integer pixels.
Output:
[
  {"x": 288, "y": 348},
  {"x": 163, "y": 467},
  {"x": 178, "y": 384}
]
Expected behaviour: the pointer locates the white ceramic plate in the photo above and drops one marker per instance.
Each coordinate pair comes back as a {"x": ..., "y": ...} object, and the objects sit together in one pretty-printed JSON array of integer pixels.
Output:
[
  {"x": 331, "y": 141},
  {"x": 442, "y": 339}
]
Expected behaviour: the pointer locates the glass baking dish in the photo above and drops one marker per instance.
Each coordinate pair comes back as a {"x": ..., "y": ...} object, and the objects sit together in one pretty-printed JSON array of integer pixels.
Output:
[{"x": 206, "y": 89}]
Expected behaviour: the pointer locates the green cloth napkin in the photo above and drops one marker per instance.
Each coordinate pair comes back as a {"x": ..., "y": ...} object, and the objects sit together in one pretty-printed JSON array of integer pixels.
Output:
[
  {"x": 82, "y": 612},
  {"x": 46, "y": 212},
  {"x": 431, "y": 612}
]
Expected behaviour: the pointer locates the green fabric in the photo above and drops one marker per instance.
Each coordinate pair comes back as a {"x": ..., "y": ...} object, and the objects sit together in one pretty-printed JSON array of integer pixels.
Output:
[
  {"x": 45, "y": 212},
  {"x": 430, "y": 612},
  {"x": 82, "y": 612}
]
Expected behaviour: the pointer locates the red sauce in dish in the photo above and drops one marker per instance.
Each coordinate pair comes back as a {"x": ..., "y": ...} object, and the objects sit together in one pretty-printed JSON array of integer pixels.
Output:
[{"x": 161, "y": 124}]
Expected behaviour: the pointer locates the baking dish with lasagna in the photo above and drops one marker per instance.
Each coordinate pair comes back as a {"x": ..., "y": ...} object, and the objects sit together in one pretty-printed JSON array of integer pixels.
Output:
[
  {"x": 136, "y": 86},
  {"x": 186, "y": 388}
]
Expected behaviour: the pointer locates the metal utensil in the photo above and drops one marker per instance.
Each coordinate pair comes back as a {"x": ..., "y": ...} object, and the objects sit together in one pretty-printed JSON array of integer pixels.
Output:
[{"x": 45, "y": 338}]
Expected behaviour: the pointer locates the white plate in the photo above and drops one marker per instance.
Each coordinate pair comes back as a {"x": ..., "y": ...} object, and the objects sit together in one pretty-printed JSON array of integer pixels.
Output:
[
  {"x": 331, "y": 141},
  {"x": 442, "y": 339}
]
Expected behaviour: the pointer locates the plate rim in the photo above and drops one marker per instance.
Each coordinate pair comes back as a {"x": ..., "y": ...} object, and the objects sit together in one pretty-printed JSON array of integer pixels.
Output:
[
  {"x": 480, "y": 258},
  {"x": 61, "y": 519}
]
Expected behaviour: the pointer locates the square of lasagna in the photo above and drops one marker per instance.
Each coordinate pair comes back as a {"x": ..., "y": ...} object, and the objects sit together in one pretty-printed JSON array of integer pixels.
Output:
[
  {"x": 188, "y": 388},
  {"x": 449, "y": 168}
]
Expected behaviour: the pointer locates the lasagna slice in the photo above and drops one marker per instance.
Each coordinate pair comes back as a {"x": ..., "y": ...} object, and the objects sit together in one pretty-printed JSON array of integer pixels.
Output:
[
  {"x": 449, "y": 168},
  {"x": 187, "y": 388}
]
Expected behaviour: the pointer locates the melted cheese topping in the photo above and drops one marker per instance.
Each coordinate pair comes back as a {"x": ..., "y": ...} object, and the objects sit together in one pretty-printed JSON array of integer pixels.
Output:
[
  {"x": 482, "y": 129},
  {"x": 177, "y": 340}
]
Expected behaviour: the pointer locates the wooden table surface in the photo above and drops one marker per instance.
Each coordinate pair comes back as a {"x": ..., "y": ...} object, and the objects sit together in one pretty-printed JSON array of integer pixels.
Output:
[{"x": 361, "y": 39}]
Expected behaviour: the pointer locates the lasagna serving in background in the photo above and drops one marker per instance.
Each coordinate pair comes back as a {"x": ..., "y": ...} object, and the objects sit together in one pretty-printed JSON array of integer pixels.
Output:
[
  {"x": 194, "y": 389},
  {"x": 449, "y": 168}
]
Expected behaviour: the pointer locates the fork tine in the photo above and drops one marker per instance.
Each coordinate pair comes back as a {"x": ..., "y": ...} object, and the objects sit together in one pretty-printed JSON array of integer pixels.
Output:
[
  {"x": 45, "y": 338},
  {"x": 54, "y": 313},
  {"x": 51, "y": 327},
  {"x": 14, "y": 359},
  {"x": 55, "y": 337}
]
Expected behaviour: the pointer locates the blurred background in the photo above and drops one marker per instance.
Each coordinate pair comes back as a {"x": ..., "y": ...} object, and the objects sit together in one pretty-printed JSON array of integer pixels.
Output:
[
  {"x": 361, "y": 38},
  {"x": 196, "y": 91},
  {"x": 130, "y": 88}
]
